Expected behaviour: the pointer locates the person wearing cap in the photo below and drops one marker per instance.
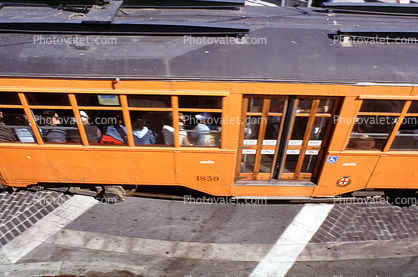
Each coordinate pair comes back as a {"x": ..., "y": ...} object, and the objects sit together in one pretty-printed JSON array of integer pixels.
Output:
[
  {"x": 92, "y": 131},
  {"x": 202, "y": 130}
]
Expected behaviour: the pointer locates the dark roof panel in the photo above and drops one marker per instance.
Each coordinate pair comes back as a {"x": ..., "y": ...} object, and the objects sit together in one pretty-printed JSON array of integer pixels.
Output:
[{"x": 294, "y": 44}]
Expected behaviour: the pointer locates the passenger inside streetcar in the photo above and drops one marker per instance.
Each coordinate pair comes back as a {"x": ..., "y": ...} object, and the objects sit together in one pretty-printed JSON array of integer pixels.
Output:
[
  {"x": 360, "y": 139},
  {"x": 53, "y": 133},
  {"x": 168, "y": 131},
  {"x": 142, "y": 134},
  {"x": 24, "y": 133},
  {"x": 6, "y": 134},
  {"x": 114, "y": 133}
]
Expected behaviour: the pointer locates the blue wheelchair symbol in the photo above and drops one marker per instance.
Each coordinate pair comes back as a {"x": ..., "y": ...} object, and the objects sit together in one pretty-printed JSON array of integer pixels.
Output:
[{"x": 332, "y": 159}]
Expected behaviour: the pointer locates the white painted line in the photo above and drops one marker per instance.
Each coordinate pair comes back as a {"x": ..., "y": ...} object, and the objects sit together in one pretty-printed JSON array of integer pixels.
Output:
[
  {"x": 291, "y": 243},
  {"x": 161, "y": 248},
  {"x": 46, "y": 227}
]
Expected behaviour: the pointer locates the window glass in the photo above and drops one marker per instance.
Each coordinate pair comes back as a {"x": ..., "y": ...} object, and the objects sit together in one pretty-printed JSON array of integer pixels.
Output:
[
  {"x": 371, "y": 132},
  {"x": 48, "y": 99},
  {"x": 383, "y": 106},
  {"x": 299, "y": 128},
  {"x": 266, "y": 163},
  {"x": 14, "y": 126},
  {"x": 414, "y": 107},
  {"x": 309, "y": 163},
  {"x": 276, "y": 105},
  {"x": 203, "y": 129},
  {"x": 9, "y": 98},
  {"x": 272, "y": 128},
  {"x": 200, "y": 102},
  {"x": 90, "y": 121},
  {"x": 57, "y": 126},
  {"x": 97, "y": 100},
  {"x": 319, "y": 128},
  {"x": 325, "y": 106},
  {"x": 304, "y": 106},
  {"x": 255, "y": 105},
  {"x": 112, "y": 127},
  {"x": 407, "y": 136},
  {"x": 247, "y": 163},
  {"x": 145, "y": 101},
  {"x": 252, "y": 128},
  {"x": 291, "y": 161},
  {"x": 152, "y": 128}
]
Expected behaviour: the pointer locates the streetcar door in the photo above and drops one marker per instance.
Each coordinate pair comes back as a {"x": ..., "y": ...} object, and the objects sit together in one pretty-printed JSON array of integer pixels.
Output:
[{"x": 282, "y": 138}]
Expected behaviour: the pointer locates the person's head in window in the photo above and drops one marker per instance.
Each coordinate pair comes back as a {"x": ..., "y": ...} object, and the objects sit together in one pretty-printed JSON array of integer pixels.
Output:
[
  {"x": 84, "y": 118},
  {"x": 204, "y": 118},
  {"x": 142, "y": 135},
  {"x": 51, "y": 118}
]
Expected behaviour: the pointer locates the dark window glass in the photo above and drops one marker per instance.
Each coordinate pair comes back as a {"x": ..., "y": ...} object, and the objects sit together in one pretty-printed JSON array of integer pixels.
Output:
[
  {"x": 152, "y": 128},
  {"x": 414, "y": 107},
  {"x": 247, "y": 163},
  {"x": 97, "y": 100},
  {"x": 48, "y": 99},
  {"x": 255, "y": 105},
  {"x": 9, "y": 98},
  {"x": 265, "y": 163},
  {"x": 57, "y": 126},
  {"x": 291, "y": 162},
  {"x": 200, "y": 102},
  {"x": 276, "y": 105},
  {"x": 309, "y": 163},
  {"x": 325, "y": 106},
  {"x": 304, "y": 106},
  {"x": 145, "y": 101},
  {"x": 371, "y": 132},
  {"x": 273, "y": 127},
  {"x": 14, "y": 126},
  {"x": 382, "y": 106},
  {"x": 299, "y": 128},
  {"x": 407, "y": 136},
  {"x": 319, "y": 128}
]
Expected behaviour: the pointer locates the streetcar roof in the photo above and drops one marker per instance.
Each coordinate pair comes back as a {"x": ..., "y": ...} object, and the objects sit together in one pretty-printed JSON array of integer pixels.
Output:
[{"x": 285, "y": 44}]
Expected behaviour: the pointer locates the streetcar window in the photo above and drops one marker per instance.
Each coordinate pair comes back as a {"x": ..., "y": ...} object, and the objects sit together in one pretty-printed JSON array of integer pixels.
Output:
[
  {"x": 371, "y": 132},
  {"x": 299, "y": 128},
  {"x": 309, "y": 163},
  {"x": 149, "y": 101},
  {"x": 383, "y": 106},
  {"x": 87, "y": 99},
  {"x": 147, "y": 127},
  {"x": 304, "y": 106},
  {"x": 9, "y": 98},
  {"x": 200, "y": 102},
  {"x": 292, "y": 157},
  {"x": 414, "y": 107},
  {"x": 407, "y": 136},
  {"x": 48, "y": 99},
  {"x": 14, "y": 126},
  {"x": 255, "y": 105},
  {"x": 203, "y": 129},
  {"x": 276, "y": 105},
  {"x": 57, "y": 126},
  {"x": 112, "y": 127},
  {"x": 325, "y": 106}
]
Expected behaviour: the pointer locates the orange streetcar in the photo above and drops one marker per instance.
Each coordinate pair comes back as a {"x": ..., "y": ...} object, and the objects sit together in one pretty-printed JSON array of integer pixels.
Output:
[{"x": 290, "y": 109}]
